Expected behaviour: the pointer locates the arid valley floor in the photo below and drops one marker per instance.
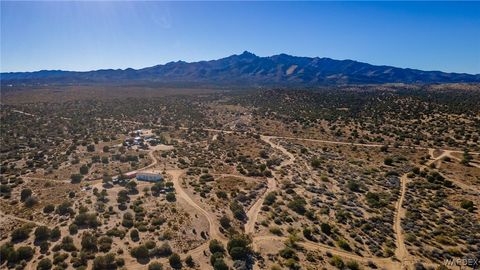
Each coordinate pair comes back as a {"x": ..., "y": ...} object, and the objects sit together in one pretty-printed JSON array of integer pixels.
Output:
[{"x": 367, "y": 177}]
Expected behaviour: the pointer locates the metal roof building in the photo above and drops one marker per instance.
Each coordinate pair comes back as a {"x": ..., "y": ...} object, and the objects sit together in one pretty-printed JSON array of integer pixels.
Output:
[{"x": 149, "y": 177}]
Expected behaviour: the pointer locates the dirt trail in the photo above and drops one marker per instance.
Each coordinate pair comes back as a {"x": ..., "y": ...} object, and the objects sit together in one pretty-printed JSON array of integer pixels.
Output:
[
  {"x": 22, "y": 112},
  {"x": 291, "y": 157},
  {"x": 45, "y": 179},
  {"x": 448, "y": 153},
  {"x": 3, "y": 215},
  {"x": 401, "y": 252},
  {"x": 253, "y": 212},
  {"x": 214, "y": 229}
]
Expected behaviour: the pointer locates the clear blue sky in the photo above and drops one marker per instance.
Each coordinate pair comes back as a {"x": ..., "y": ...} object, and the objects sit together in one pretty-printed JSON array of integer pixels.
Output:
[{"x": 93, "y": 35}]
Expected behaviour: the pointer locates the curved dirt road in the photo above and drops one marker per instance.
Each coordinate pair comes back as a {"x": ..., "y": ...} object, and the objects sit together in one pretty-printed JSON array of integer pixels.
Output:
[
  {"x": 291, "y": 157},
  {"x": 253, "y": 212},
  {"x": 214, "y": 231}
]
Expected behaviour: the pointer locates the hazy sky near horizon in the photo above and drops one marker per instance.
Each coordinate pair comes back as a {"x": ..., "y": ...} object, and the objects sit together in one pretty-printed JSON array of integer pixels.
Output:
[{"x": 94, "y": 35}]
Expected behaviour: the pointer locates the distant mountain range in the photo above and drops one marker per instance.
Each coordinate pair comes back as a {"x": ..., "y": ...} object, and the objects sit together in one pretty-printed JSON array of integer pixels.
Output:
[{"x": 248, "y": 69}]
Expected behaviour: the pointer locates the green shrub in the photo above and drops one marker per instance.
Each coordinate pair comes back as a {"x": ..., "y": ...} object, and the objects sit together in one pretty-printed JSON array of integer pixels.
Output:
[
  {"x": 76, "y": 178},
  {"x": 353, "y": 186},
  {"x": 140, "y": 252},
  {"x": 239, "y": 247},
  {"x": 150, "y": 244},
  {"x": 25, "y": 253},
  {"x": 215, "y": 256},
  {"x": 105, "y": 243},
  {"x": 87, "y": 220},
  {"x": 337, "y": 262},
  {"x": 298, "y": 205},
  {"x": 155, "y": 266},
  {"x": 21, "y": 234},
  {"x": 55, "y": 234},
  {"x": 388, "y": 161},
  {"x": 134, "y": 235},
  {"x": 89, "y": 242},
  {"x": 288, "y": 253},
  {"x": 105, "y": 262},
  {"x": 307, "y": 233},
  {"x": 189, "y": 261},
  {"x": 270, "y": 198},
  {"x": 48, "y": 208},
  {"x": 344, "y": 245},
  {"x": 220, "y": 264},
  {"x": 326, "y": 228},
  {"x": 175, "y": 261},
  {"x": 373, "y": 200},
  {"x": 276, "y": 230},
  {"x": 73, "y": 229},
  {"x": 237, "y": 210},
  {"x": 225, "y": 222},
  {"x": 25, "y": 194},
  {"x": 42, "y": 233},
  {"x": 352, "y": 265},
  {"x": 171, "y": 197},
  {"x": 44, "y": 264},
  {"x": 216, "y": 246},
  {"x": 467, "y": 204},
  {"x": 164, "y": 250}
]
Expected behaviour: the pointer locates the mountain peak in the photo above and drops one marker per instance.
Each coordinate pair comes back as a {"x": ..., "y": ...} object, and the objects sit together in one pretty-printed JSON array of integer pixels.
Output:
[{"x": 247, "y": 54}]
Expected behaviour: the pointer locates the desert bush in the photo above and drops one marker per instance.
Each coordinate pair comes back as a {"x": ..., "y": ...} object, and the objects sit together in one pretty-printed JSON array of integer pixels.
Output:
[
  {"x": 155, "y": 266},
  {"x": 175, "y": 261},
  {"x": 42, "y": 233},
  {"x": 216, "y": 246},
  {"x": 44, "y": 264},
  {"x": 22, "y": 233},
  {"x": 140, "y": 252}
]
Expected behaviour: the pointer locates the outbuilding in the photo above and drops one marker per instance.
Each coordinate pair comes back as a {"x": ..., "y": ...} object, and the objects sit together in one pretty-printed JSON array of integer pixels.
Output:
[{"x": 149, "y": 177}]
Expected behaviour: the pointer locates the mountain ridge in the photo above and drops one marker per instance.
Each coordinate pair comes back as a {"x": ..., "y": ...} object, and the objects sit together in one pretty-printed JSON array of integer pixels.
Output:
[{"x": 249, "y": 69}]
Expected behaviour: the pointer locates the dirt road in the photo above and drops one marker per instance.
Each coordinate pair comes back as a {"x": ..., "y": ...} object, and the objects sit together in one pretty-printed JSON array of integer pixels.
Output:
[
  {"x": 3, "y": 215},
  {"x": 214, "y": 228},
  {"x": 401, "y": 252},
  {"x": 253, "y": 212},
  {"x": 448, "y": 153}
]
